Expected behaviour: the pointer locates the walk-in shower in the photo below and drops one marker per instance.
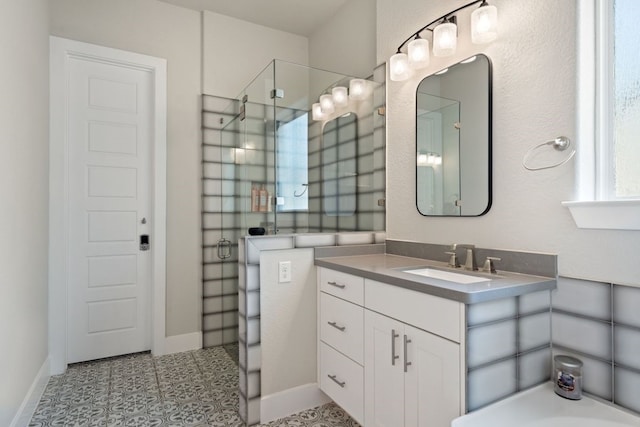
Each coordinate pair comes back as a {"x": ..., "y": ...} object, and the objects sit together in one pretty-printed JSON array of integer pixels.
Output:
[{"x": 268, "y": 165}]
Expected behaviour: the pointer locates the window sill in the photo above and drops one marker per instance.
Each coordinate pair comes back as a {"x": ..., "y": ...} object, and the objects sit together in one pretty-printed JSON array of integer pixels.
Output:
[{"x": 606, "y": 215}]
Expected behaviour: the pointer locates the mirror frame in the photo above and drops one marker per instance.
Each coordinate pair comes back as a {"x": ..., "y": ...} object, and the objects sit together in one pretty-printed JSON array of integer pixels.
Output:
[{"x": 489, "y": 138}]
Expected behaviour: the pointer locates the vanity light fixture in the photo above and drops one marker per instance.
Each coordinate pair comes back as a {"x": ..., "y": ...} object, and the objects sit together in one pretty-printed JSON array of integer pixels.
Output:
[
  {"x": 484, "y": 25},
  {"x": 445, "y": 37}
]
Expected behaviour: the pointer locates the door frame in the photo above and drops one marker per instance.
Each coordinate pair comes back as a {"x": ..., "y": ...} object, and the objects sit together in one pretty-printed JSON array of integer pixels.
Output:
[{"x": 61, "y": 50}]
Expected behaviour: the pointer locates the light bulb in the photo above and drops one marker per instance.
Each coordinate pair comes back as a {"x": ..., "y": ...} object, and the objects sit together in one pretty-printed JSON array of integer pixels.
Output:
[
  {"x": 326, "y": 104},
  {"x": 418, "y": 53},
  {"x": 484, "y": 24},
  {"x": 399, "y": 67},
  {"x": 340, "y": 96},
  {"x": 422, "y": 159},
  {"x": 445, "y": 39},
  {"x": 316, "y": 112},
  {"x": 357, "y": 89}
]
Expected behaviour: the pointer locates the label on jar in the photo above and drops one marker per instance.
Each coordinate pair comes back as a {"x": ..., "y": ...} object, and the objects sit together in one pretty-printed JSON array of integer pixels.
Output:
[{"x": 566, "y": 381}]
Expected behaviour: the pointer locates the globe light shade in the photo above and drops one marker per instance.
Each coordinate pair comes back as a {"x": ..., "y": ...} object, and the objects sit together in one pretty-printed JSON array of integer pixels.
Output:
[
  {"x": 326, "y": 104},
  {"x": 484, "y": 24},
  {"x": 445, "y": 39},
  {"x": 357, "y": 89},
  {"x": 399, "y": 67},
  {"x": 316, "y": 112},
  {"x": 418, "y": 53},
  {"x": 340, "y": 96}
]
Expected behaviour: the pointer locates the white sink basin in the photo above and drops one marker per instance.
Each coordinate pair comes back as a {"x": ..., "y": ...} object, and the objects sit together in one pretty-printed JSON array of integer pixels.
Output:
[{"x": 447, "y": 275}]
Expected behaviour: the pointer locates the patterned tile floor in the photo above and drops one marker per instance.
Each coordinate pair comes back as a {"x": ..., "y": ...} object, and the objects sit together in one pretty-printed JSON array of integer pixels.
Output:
[{"x": 196, "y": 388}]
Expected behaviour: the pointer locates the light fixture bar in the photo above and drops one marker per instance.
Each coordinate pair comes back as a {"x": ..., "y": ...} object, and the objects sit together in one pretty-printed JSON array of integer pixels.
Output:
[{"x": 435, "y": 21}]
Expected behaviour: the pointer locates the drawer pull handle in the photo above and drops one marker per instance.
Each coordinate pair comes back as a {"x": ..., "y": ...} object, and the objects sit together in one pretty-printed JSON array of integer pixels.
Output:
[
  {"x": 335, "y": 325},
  {"x": 394, "y": 356},
  {"x": 406, "y": 363},
  {"x": 337, "y": 285},
  {"x": 333, "y": 378}
]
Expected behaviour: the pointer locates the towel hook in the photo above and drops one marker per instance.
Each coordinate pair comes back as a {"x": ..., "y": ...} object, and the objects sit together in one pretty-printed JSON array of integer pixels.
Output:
[{"x": 561, "y": 143}]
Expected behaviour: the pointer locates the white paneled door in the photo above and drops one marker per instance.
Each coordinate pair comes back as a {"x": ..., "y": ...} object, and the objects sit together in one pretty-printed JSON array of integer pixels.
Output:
[{"x": 110, "y": 131}]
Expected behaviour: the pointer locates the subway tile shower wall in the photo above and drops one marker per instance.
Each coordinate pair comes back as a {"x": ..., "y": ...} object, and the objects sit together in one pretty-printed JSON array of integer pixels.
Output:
[
  {"x": 508, "y": 347},
  {"x": 599, "y": 323}
]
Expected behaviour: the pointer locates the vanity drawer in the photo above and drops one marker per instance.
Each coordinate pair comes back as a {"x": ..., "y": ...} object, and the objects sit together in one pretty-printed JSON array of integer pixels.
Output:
[
  {"x": 342, "y": 380},
  {"x": 437, "y": 315},
  {"x": 342, "y": 285},
  {"x": 342, "y": 326}
]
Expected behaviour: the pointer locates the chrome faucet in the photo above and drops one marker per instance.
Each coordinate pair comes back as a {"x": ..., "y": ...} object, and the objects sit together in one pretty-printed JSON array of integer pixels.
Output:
[
  {"x": 453, "y": 257},
  {"x": 470, "y": 261}
]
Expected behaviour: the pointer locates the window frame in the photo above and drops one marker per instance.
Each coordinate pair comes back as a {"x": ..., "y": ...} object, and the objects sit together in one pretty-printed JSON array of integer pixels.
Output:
[{"x": 596, "y": 206}]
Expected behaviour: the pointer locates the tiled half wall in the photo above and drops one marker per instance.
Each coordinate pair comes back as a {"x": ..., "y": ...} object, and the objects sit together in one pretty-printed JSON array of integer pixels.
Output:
[{"x": 249, "y": 249}]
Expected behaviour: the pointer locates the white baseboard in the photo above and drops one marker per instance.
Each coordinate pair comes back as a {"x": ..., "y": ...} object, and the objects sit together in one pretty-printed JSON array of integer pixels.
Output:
[
  {"x": 30, "y": 402},
  {"x": 291, "y": 401},
  {"x": 184, "y": 342}
]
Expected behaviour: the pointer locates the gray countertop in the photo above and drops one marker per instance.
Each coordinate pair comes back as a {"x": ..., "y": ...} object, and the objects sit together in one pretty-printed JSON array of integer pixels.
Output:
[{"x": 388, "y": 268}]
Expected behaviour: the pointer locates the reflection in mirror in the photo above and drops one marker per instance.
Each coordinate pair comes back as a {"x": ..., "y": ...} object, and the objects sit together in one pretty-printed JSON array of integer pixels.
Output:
[
  {"x": 453, "y": 140},
  {"x": 340, "y": 166}
]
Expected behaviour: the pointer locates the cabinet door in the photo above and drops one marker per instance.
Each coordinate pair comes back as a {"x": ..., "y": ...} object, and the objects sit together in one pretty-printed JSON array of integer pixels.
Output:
[
  {"x": 384, "y": 371},
  {"x": 432, "y": 381}
]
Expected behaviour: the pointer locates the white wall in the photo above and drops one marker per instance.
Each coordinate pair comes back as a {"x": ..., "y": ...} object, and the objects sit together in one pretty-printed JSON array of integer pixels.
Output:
[
  {"x": 347, "y": 42},
  {"x": 236, "y": 51},
  {"x": 287, "y": 321},
  {"x": 533, "y": 101},
  {"x": 24, "y": 191},
  {"x": 166, "y": 31}
]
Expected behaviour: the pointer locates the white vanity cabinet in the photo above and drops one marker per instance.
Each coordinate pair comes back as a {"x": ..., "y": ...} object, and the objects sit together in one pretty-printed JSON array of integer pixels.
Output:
[
  {"x": 341, "y": 347},
  {"x": 412, "y": 377},
  {"x": 390, "y": 356}
]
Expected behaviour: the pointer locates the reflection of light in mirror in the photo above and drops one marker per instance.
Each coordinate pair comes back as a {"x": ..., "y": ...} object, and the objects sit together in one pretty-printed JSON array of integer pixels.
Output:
[
  {"x": 357, "y": 89},
  {"x": 249, "y": 145},
  {"x": 326, "y": 104},
  {"x": 240, "y": 154},
  {"x": 428, "y": 159},
  {"x": 469, "y": 60},
  {"x": 316, "y": 112},
  {"x": 441, "y": 72},
  {"x": 340, "y": 97}
]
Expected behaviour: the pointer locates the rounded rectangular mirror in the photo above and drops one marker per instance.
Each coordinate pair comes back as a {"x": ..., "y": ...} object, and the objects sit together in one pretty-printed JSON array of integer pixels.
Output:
[{"x": 453, "y": 140}]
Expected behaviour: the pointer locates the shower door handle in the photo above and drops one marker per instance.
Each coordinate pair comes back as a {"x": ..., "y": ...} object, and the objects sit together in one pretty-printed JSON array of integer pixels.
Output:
[{"x": 224, "y": 248}]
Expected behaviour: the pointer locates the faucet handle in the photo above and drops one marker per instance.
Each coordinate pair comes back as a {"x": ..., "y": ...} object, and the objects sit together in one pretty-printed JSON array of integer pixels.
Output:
[
  {"x": 489, "y": 265},
  {"x": 453, "y": 259}
]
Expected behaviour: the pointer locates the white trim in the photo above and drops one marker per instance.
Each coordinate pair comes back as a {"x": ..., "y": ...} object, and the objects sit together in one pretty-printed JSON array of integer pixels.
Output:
[
  {"x": 593, "y": 126},
  {"x": 30, "y": 402},
  {"x": 60, "y": 51},
  {"x": 586, "y": 100},
  {"x": 184, "y": 342},
  {"x": 608, "y": 215},
  {"x": 291, "y": 401}
]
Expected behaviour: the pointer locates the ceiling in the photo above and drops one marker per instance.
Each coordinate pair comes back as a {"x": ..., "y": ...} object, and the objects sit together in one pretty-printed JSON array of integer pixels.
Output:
[{"x": 301, "y": 17}]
